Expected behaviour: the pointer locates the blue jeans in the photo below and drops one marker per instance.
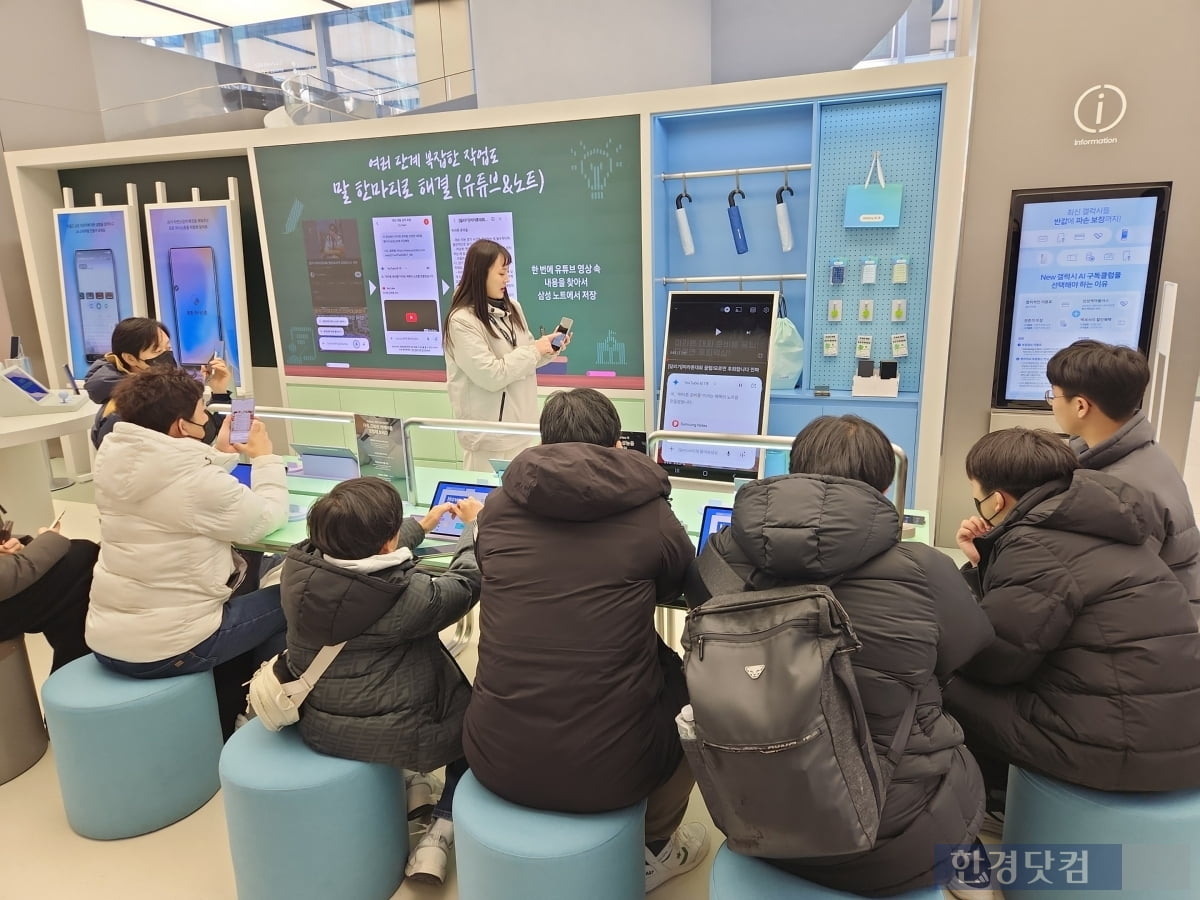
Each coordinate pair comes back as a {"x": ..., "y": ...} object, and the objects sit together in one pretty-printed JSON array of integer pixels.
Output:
[{"x": 252, "y": 622}]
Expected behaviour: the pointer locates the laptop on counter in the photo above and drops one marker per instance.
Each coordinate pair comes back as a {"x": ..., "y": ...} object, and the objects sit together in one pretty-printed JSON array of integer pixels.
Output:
[
  {"x": 716, "y": 518},
  {"x": 441, "y": 541}
]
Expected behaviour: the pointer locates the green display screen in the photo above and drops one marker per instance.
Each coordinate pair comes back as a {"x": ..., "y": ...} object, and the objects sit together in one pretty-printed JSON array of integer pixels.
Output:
[{"x": 366, "y": 240}]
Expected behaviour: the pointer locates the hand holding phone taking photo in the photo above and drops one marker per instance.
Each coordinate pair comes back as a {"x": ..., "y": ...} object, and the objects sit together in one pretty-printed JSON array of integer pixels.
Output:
[{"x": 241, "y": 416}]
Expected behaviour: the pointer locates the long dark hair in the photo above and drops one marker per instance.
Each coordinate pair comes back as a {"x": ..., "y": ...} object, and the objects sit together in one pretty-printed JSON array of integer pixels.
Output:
[{"x": 471, "y": 293}]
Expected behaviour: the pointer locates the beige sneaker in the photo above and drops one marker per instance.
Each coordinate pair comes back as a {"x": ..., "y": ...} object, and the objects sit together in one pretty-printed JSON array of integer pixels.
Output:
[
  {"x": 430, "y": 858},
  {"x": 684, "y": 851}
]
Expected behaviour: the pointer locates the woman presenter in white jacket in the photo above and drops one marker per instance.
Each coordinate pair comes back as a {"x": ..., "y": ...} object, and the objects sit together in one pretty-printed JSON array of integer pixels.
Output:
[
  {"x": 491, "y": 357},
  {"x": 162, "y": 599}
]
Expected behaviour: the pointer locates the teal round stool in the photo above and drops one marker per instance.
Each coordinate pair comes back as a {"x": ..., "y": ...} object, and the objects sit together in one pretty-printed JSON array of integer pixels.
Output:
[
  {"x": 305, "y": 826},
  {"x": 133, "y": 754},
  {"x": 509, "y": 852},
  {"x": 737, "y": 877},
  {"x": 1159, "y": 833}
]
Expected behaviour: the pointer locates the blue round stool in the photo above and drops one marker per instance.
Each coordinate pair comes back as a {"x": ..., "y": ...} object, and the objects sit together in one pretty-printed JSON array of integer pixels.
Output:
[
  {"x": 737, "y": 877},
  {"x": 509, "y": 852},
  {"x": 1160, "y": 833},
  {"x": 306, "y": 826},
  {"x": 133, "y": 754}
]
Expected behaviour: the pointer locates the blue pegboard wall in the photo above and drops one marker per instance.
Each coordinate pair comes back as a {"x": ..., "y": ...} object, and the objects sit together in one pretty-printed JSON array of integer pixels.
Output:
[{"x": 906, "y": 130}]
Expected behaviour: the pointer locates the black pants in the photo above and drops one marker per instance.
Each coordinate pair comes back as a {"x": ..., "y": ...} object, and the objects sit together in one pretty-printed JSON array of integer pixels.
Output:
[{"x": 55, "y": 605}]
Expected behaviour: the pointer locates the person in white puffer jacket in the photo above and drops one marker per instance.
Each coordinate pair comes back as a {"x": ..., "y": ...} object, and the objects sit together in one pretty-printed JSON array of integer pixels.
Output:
[{"x": 162, "y": 600}]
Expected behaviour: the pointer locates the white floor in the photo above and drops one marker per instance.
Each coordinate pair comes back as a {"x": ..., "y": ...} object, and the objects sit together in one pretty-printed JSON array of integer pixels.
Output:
[{"x": 42, "y": 859}]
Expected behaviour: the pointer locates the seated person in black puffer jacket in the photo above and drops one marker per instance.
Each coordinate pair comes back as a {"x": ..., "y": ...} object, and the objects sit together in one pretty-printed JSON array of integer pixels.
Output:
[
  {"x": 1094, "y": 675},
  {"x": 394, "y": 694},
  {"x": 828, "y": 522}
]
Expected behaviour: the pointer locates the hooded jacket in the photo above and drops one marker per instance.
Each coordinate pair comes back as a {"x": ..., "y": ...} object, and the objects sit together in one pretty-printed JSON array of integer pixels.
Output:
[
  {"x": 575, "y": 696},
  {"x": 1094, "y": 675},
  {"x": 492, "y": 378},
  {"x": 169, "y": 513},
  {"x": 393, "y": 694},
  {"x": 102, "y": 379},
  {"x": 917, "y": 621},
  {"x": 1135, "y": 457}
]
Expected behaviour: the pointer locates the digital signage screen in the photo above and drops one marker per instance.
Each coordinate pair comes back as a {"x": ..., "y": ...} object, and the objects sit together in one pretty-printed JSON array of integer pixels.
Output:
[
  {"x": 716, "y": 378},
  {"x": 1081, "y": 263}
]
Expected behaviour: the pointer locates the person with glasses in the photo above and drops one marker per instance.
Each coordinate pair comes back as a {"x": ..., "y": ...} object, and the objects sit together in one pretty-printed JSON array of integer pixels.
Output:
[
  {"x": 44, "y": 584},
  {"x": 163, "y": 599},
  {"x": 1096, "y": 391},
  {"x": 139, "y": 344},
  {"x": 1093, "y": 677}
]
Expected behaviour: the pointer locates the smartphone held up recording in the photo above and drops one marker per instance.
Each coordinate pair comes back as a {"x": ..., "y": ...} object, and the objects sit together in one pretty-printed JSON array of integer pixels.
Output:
[
  {"x": 561, "y": 332},
  {"x": 241, "y": 415}
]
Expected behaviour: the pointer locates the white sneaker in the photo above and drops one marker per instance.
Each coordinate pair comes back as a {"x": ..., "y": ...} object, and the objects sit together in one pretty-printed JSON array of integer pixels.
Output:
[
  {"x": 429, "y": 858},
  {"x": 423, "y": 792},
  {"x": 684, "y": 851}
]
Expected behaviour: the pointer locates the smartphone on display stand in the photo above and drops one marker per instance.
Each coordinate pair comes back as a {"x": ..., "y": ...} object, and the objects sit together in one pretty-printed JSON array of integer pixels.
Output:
[
  {"x": 561, "y": 332},
  {"x": 241, "y": 414},
  {"x": 193, "y": 274},
  {"x": 96, "y": 289}
]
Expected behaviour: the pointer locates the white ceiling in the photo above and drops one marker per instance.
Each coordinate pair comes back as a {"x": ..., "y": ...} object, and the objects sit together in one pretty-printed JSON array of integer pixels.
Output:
[{"x": 159, "y": 18}]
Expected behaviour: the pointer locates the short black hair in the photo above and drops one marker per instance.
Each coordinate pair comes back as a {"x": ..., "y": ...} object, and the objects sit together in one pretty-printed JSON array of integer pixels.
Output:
[
  {"x": 1111, "y": 376},
  {"x": 136, "y": 335},
  {"x": 582, "y": 415},
  {"x": 1018, "y": 460},
  {"x": 157, "y": 399},
  {"x": 845, "y": 446},
  {"x": 356, "y": 518}
]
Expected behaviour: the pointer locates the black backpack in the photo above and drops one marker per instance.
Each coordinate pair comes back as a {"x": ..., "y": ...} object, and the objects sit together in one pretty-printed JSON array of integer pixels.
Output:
[{"x": 781, "y": 750}]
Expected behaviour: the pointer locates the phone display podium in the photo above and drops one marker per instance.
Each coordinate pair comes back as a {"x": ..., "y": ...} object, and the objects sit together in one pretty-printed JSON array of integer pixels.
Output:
[{"x": 24, "y": 465}]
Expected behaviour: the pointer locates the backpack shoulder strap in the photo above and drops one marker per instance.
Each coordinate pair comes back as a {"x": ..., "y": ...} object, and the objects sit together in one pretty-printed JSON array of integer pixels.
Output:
[
  {"x": 718, "y": 575},
  {"x": 900, "y": 741}
]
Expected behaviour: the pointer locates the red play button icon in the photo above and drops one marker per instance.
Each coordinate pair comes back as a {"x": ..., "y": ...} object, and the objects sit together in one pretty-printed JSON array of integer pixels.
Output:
[{"x": 410, "y": 318}]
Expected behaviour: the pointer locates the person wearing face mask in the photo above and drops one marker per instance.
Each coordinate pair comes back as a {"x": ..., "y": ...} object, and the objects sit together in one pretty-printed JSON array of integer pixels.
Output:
[
  {"x": 491, "y": 357},
  {"x": 162, "y": 598},
  {"x": 139, "y": 344},
  {"x": 1093, "y": 676}
]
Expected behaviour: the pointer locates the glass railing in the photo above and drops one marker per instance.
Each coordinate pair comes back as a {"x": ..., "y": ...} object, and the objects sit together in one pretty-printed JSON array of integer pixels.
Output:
[
  {"x": 306, "y": 99},
  {"x": 310, "y": 100},
  {"x": 176, "y": 113}
]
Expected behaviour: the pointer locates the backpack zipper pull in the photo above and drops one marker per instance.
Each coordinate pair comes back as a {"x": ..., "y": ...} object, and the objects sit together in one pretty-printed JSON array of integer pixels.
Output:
[{"x": 700, "y": 647}]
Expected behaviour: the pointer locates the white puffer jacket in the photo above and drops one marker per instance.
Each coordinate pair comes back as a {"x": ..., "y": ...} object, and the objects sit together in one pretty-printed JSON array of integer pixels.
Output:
[
  {"x": 484, "y": 371},
  {"x": 169, "y": 511}
]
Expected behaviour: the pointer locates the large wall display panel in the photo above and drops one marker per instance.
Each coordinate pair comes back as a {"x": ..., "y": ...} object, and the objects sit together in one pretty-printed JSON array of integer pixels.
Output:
[
  {"x": 196, "y": 295},
  {"x": 1082, "y": 262},
  {"x": 95, "y": 253},
  {"x": 366, "y": 239}
]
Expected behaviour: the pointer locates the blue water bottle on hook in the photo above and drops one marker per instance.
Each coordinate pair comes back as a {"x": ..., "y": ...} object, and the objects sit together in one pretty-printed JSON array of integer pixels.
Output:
[{"x": 735, "y": 221}]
